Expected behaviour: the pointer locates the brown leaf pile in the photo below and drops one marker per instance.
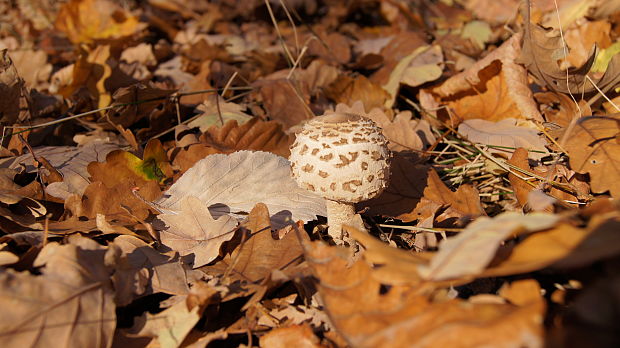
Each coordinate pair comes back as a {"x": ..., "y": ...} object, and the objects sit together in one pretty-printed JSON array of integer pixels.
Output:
[{"x": 146, "y": 197}]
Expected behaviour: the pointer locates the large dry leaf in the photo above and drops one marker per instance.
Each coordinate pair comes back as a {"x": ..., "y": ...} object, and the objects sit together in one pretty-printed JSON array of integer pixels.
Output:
[
  {"x": 192, "y": 231},
  {"x": 70, "y": 305},
  {"x": 370, "y": 315},
  {"x": 470, "y": 252},
  {"x": 236, "y": 182},
  {"x": 593, "y": 148},
  {"x": 505, "y": 134},
  {"x": 562, "y": 246},
  {"x": 541, "y": 52},
  {"x": 494, "y": 88}
]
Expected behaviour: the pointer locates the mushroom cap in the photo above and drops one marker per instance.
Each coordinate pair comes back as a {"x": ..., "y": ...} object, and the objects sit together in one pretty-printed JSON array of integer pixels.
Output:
[{"x": 342, "y": 157}]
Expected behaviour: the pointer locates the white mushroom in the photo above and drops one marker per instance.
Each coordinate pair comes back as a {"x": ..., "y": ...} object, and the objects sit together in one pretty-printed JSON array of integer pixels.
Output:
[{"x": 344, "y": 158}]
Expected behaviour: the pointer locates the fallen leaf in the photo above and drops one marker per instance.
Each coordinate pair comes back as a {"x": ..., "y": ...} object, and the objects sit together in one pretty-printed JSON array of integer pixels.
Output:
[
  {"x": 140, "y": 270},
  {"x": 259, "y": 253},
  {"x": 13, "y": 105},
  {"x": 169, "y": 326},
  {"x": 494, "y": 88},
  {"x": 464, "y": 203},
  {"x": 121, "y": 165},
  {"x": 423, "y": 65},
  {"x": 215, "y": 111},
  {"x": 296, "y": 335},
  {"x": 541, "y": 52},
  {"x": 505, "y": 135},
  {"x": 592, "y": 149},
  {"x": 71, "y": 304},
  {"x": 221, "y": 181},
  {"x": 194, "y": 232},
  {"x": 349, "y": 89},
  {"x": 85, "y": 21},
  {"x": 520, "y": 187},
  {"x": 369, "y": 314},
  {"x": 136, "y": 102},
  {"x": 470, "y": 252},
  {"x": 255, "y": 134},
  {"x": 285, "y": 101}
]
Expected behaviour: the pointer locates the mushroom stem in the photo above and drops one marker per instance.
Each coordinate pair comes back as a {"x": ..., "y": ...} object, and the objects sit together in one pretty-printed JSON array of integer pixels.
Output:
[{"x": 339, "y": 213}]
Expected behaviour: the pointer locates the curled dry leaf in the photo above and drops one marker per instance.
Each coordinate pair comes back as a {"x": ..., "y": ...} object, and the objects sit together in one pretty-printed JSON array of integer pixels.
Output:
[
  {"x": 193, "y": 231},
  {"x": 541, "y": 52},
  {"x": 13, "y": 104},
  {"x": 505, "y": 135},
  {"x": 593, "y": 148},
  {"x": 221, "y": 182}
]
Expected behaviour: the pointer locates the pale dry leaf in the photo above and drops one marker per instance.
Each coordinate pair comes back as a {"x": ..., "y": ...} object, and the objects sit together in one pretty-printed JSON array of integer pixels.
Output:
[
  {"x": 32, "y": 66},
  {"x": 70, "y": 305},
  {"x": 194, "y": 231},
  {"x": 70, "y": 161},
  {"x": 506, "y": 135},
  {"x": 423, "y": 65},
  {"x": 593, "y": 148},
  {"x": 217, "y": 112},
  {"x": 222, "y": 183},
  {"x": 169, "y": 326},
  {"x": 471, "y": 251}
]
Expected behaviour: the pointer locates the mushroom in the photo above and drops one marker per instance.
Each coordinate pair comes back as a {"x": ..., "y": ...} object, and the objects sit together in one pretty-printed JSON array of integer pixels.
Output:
[{"x": 344, "y": 158}]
